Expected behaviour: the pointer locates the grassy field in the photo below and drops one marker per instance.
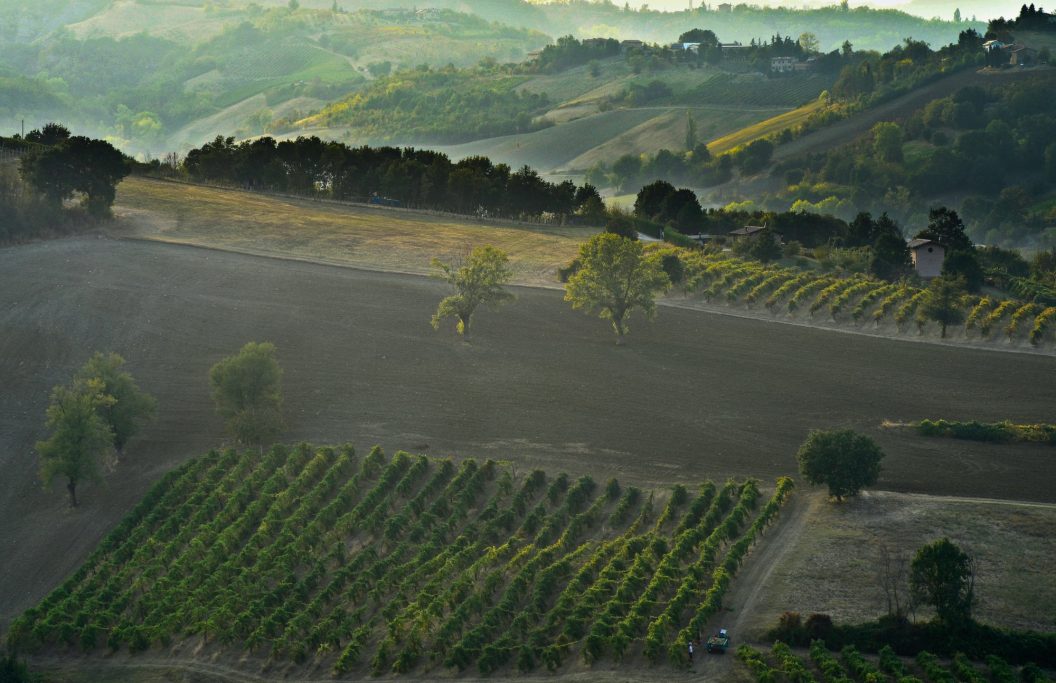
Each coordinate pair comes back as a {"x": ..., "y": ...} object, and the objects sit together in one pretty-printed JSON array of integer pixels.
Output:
[
  {"x": 361, "y": 236},
  {"x": 360, "y": 563},
  {"x": 762, "y": 129},
  {"x": 1016, "y": 593}
]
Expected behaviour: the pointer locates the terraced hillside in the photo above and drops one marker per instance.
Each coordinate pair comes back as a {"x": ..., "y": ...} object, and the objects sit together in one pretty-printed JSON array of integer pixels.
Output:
[{"x": 322, "y": 558}]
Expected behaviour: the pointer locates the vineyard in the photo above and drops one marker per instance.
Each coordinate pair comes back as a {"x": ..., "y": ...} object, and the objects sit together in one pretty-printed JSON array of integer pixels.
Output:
[
  {"x": 318, "y": 557},
  {"x": 856, "y": 299},
  {"x": 822, "y": 666}
]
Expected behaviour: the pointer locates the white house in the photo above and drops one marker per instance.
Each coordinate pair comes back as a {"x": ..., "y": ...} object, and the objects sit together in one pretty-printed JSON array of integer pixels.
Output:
[
  {"x": 927, "y": 257},
  {"x": 780, "y": 65}
]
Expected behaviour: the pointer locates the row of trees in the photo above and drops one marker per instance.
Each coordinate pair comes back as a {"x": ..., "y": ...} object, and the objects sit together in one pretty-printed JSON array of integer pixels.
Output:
[{"x": 412, "y": 177}]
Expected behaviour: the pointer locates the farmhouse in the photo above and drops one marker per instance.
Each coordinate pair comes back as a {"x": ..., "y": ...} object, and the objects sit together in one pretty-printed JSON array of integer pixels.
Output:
[
  {"x": 927, "y": 256},
  {"x": 780, "y": 65},
  {"x": 626, "y": 45},
  {"x": 725, "y": 7}
]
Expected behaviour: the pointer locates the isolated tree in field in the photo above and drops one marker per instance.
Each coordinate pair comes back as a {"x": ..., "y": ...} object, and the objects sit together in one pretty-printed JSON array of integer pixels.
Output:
[
  {"x": 479, "y": 280},
  {"x": 247, "y": 391},
  {"x": 80, "y": 437},
  {"x": 945, "y": 302},
  {"x": 842, "y": 459},
  {"x": 943, "y": 576},
  {"x": 616, "y": 276},
  {"x": 130, "y": 406}
]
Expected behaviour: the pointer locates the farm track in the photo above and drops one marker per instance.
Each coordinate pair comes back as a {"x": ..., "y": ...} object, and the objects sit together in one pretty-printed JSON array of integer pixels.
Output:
[{"x": 713, "y": 396}]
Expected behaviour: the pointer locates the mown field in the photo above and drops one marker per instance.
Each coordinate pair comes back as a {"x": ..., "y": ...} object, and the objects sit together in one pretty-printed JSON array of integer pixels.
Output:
[
  {"x": 1018, "y": 595},
  {"x": 350, "y": 564},
  {"x": 383, "y": 239}
]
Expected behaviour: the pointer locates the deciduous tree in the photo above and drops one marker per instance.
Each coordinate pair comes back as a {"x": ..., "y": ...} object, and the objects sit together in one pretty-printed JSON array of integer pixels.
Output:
[
  {"x": 479, "y": 280},
  {"x": 247, "y": 390},
  {"x": 842, "y": 459},
  {"x": 945, "y": 302},
  {"x": 130, "y": 406},
  {"x": 79, "y": 164},
  {"x": 943, "y": 576},
  {"x": 80, "y": 437},
  {"x": 616, "y": 276}
]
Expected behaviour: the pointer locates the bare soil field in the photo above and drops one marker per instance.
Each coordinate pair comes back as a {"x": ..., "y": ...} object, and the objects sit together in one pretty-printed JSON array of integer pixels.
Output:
[
  {"x": 1012, "y": 542},
  {"x": 693, "y": 395}
]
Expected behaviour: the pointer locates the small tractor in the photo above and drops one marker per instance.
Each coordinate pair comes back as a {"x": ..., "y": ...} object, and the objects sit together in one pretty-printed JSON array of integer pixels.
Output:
[{"x": 718, "y": 643}]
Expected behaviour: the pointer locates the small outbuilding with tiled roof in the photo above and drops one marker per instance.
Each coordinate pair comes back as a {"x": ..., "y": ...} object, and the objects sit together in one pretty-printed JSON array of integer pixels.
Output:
[{"x": 928, "y": 257}]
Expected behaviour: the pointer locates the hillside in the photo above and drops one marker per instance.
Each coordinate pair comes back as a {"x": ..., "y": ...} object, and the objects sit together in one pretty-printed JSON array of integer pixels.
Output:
[
  {"x": 162, "y": 76},
  {"x": 356, "y": 564},
  {"x": 947, "y": 136},
  {"x": 373, "y": 369}
]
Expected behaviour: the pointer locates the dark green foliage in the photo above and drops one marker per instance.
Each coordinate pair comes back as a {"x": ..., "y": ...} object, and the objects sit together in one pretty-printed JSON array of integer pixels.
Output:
[
  {"x": 568, "y": 52},
  {"x": 13, "y": 670},
  {"x": 944, "y": 302},
  {"x": 76, "y": 164},
  {"x": 963, "y": 265},
  {"x": 943, "y": 576},
  {"x": 388, "y": 176},
  {"x": 247, "y": 391},
  {"x": 843, "y": 460}
]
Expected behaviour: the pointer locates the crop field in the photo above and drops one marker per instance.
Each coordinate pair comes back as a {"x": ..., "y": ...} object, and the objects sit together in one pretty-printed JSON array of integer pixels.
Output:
[
  {"x": 350, "y": 564},
  {"x": 762, "y": 129},
  {"x": 782, "y": 663},
  {"x": 667, "y": 130},
  {"x": 361, "y": 236},
  {"x": 856, "y": 300}
]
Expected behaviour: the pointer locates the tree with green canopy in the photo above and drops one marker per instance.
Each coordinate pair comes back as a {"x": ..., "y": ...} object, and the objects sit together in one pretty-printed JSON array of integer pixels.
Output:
[
  {"x": 80, "y": 436},
  {"x": 944, "y": 302},
  {"x": 77, "y": 164},
  {"x": 943, "y": 576},
  {"x": 247, "y": 390},
  {"x": 130, "y": 406},
  {"x": 479, "y": 279},
  {"x": 842, "y": 459},
  {"x": 615, "y": 277}
]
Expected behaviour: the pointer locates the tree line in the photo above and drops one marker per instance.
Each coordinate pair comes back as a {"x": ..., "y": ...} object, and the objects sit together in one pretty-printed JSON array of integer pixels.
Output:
[{"x": 410, "y": 177}]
